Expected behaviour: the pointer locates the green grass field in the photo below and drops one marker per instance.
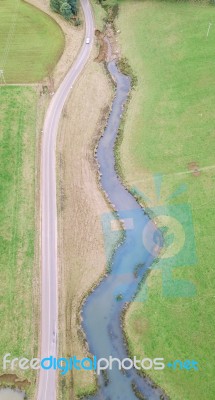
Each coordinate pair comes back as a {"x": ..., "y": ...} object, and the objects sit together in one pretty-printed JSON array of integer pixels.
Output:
[
  {"x": 170, "y": 124},
  {"x": 26, "y": 52},
  {"x": 17, "y": 228}
]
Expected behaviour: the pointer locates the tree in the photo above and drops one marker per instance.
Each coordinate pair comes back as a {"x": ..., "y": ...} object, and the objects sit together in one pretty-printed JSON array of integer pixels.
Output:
[
  {"x": 65, "y": 10},
  {"x": 73, "y": 5},
  {"x": 55, "y": 5}
]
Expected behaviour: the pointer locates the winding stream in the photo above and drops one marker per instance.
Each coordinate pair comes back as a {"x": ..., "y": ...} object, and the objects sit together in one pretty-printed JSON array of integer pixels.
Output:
[{"x": 102, "y": 310}]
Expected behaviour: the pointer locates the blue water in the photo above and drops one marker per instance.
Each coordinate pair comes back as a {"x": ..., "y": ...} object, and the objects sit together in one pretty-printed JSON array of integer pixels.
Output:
[{"x": 102, "y": 310}]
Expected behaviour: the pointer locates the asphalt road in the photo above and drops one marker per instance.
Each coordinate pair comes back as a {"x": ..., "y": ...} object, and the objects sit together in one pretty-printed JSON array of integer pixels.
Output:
[{"x": 49, "y": 274}]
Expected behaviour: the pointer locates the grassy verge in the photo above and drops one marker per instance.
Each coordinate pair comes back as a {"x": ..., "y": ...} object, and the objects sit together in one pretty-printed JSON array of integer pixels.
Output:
[
  {"x": 17, "y": 230},
  {"x": 80, "y": 209},
  {"x": 99, "y": 14},
  {"x": 26, "y": 52},
  {"x": 168, "y": 134}
]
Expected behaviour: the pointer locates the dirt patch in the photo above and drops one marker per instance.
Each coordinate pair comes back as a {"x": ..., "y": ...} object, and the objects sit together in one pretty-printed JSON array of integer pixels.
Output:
[
  {"x": 108, "y": 44},
  {"x": 193, "y": 167},
  {"x": 103, "y": 46}
]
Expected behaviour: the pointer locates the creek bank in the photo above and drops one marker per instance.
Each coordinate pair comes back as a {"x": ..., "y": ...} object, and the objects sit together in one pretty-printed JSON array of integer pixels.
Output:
[{"x": 102, "y": 308}]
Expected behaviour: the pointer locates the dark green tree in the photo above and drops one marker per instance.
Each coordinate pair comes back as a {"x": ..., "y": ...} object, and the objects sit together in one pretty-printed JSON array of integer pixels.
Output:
[
  {"x": 74, "y": 6},
  {"x": 55, "y": 5},
  {"x": 65, "y": 10}
]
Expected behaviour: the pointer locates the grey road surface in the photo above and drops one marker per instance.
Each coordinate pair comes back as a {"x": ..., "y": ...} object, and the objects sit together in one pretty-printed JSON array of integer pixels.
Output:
[{"x": 49, "y": 274}]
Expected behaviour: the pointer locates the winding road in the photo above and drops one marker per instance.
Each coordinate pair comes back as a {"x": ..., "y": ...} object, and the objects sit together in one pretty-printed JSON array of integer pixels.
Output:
[{"x": 49, "y": 303}]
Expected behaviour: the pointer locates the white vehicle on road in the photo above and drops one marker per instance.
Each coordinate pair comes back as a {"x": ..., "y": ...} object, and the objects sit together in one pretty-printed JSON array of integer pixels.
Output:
[{"x": 87, "y": 40}]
